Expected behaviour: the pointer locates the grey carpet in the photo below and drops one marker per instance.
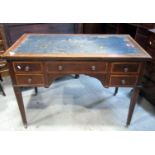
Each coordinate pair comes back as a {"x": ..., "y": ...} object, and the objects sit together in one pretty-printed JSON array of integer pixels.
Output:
[{"x": 75, "y": 104}]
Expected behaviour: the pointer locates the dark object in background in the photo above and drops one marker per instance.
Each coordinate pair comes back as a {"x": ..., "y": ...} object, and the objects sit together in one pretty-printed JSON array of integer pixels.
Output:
[
  {"x": 14, "y": 31},
  {"x": 3, "y": 64}
]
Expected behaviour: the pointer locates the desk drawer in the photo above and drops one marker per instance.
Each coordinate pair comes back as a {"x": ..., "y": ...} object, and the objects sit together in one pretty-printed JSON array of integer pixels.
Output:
[
  {"x": 28, "y": 67},
  {"x": 123, "y": 80},
  {"x": 125, "y": 68},
  {"x": 76, "y": 67},
  {"x": 29, "y": 80}
]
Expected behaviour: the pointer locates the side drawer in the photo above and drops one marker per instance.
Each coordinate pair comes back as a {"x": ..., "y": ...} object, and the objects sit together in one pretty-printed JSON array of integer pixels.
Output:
[
  {"x": 28, "y": 67},
  {"x": 29, "y": 80},
  {"x": 76, "y": 67},
  {"x": 123, "y": 80},
  {"x": 125, "y": 68}
]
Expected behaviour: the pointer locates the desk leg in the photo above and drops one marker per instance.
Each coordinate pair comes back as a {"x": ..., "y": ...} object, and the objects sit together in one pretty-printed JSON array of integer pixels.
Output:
[
  {"x": 76, "y": 76},
  {"x": 36, "y": 90},
  {"x": 132, "y": 104},
  {"x": 19, "y": 98},
  {"x": 1, "y": 77},
  {"x": 116, "y": 91},
  {"x": 1, "y": 88}
]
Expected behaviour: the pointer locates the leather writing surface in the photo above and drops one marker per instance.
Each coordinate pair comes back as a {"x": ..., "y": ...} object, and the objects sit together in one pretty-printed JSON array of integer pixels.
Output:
[{"x": 77, "y": 44}]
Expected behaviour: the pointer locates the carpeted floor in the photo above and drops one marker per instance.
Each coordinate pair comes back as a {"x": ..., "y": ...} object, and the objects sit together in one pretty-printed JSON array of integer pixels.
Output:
[{"x": 75, "y": 104}]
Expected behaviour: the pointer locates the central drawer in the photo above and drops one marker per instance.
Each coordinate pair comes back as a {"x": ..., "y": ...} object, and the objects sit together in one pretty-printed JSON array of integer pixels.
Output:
[{"x": 76, "y": 67}]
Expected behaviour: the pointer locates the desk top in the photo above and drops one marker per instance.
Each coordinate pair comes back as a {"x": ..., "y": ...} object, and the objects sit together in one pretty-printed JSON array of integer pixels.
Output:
[{"x": 67, "y": 45}]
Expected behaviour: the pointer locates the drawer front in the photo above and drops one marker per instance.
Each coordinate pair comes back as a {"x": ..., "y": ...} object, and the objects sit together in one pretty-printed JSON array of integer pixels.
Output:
[
  {"x": 29, "y": 80},
  {"x": 28, "y": 67},
  {"x": 123, "y": 80},
  {"x": 76, "y": 67},
  {"x": 125, "y": 68}
]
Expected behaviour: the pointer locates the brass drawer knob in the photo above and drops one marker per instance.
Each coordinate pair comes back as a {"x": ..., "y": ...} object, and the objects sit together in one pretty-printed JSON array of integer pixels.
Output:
[
  {"x": 19, "y": 67},
  {"x": 93, "y": 68},
  {"x": 126, "y": 69},
  {"x": 27, "y": 68},
  {"x": 60, "y": 68},
  {"x": 29, "y": 80},
  {"x": 123, "y": 82}
]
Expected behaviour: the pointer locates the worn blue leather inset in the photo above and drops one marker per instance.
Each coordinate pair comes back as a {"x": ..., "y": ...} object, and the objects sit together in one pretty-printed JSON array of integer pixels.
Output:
[{"x": 77, "y": 44}]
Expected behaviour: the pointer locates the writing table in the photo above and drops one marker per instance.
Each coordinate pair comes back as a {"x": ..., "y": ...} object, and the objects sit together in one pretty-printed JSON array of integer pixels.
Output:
[{"x": 35, "y": 60}]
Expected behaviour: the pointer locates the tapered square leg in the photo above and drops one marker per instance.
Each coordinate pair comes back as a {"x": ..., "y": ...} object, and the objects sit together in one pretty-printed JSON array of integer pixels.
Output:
[
  {"x": 36, "y": 90},
  {"x": 1, "y": 88},
  {"x": 1, "y": 77},
  {"x": 132, "y": 104},
  {"x": 116, "y": 91},
  {"x": 19, "y": 98}
]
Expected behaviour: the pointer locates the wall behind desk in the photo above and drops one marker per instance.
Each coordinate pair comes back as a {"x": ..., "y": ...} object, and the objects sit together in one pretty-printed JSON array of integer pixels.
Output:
[{"x": 14, "y": 31}]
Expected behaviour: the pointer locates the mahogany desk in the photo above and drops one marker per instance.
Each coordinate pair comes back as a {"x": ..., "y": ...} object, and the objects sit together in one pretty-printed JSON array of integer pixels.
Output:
[{"x": 35, "y": 60}]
